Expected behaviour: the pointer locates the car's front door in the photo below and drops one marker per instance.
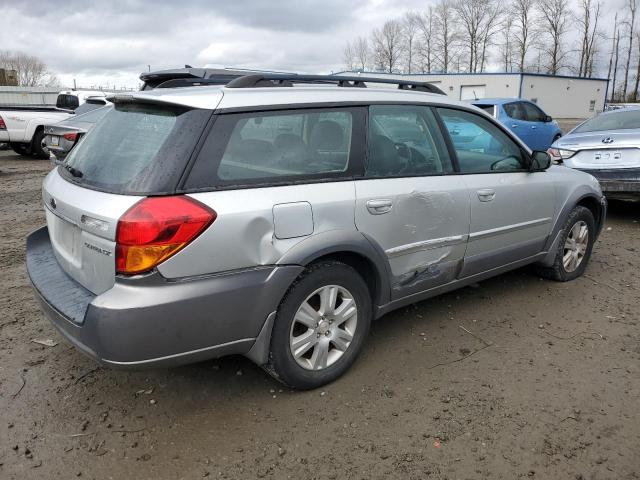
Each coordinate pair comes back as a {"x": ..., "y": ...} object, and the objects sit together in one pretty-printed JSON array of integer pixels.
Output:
[
  {"x": 408, "y": 202},
  {"x": 542, "y": 131},
  {"x": 511, "y": 208},
  {"x": 516, "y": 121}
]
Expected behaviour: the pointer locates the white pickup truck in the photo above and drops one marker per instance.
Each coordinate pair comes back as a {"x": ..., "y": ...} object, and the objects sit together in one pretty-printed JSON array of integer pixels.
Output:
[{"x": 22, "y": 126}]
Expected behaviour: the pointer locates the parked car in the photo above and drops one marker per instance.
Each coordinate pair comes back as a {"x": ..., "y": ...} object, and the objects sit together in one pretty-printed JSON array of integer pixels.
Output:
[
  {"x": 524, "y": 118},
  {"x": 61, "y": 137},
  {"x": 606, "y": 146},
  {"x": 22, "y": 126},
  {"x": 277, "y": 223}
]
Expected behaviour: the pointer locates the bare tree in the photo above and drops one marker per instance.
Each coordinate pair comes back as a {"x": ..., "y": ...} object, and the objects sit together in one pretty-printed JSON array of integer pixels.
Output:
[
  {"x": 522, "y": 12},
  {"x": 387, "y": 45},
  {"x": 554, "y": 23},
  {"x": 631, "y": 5},
  {"x": 348, "y": 57},
  {"x": 361, "y": 53},
  {"x": 634, "y": 94},
  {"x": 445, "y": 33},
  {"x": 410, "y": 29},
  {"x": 615, "y": 67},
  {"x": 426, "y": 24},
  {"x": 492, "y": 22},
  {"x": 31, "y": 71},
  {"x": 506, "y": 45},
  {"x": 589, "y": 32}
]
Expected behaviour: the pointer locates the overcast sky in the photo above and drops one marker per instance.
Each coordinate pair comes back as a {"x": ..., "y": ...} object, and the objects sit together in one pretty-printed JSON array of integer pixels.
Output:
[{"x": 112, "y": 42}]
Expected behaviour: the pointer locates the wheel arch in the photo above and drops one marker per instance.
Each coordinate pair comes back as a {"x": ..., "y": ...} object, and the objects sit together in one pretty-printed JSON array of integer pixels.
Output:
[{"x": 353, "y": 248}]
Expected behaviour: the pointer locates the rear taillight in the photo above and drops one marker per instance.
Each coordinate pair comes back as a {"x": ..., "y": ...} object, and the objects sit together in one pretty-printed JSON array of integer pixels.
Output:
[
  {"x": 72, "y": 137},
  {"x": 3, "y": 126},
  {"x": 156, "y": 228}
]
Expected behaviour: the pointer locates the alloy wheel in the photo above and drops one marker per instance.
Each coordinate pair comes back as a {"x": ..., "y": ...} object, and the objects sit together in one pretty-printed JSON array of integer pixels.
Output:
[
  {"x": 323, "y": 327},
  {"x": 575, "y": 246}
]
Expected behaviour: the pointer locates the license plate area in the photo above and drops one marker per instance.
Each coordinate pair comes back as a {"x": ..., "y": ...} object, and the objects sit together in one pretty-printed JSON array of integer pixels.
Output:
[
  {"x": 607, "y": 157},
  {"x": 55, "y": 140},
  {"x": 65, "y": 238}
]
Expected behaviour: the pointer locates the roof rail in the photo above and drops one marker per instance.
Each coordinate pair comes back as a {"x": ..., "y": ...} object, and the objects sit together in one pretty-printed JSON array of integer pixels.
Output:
[{"x": 280, "y": 80}]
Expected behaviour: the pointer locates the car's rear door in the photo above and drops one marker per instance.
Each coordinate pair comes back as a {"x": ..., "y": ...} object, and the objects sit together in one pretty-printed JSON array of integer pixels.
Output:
[
  {"x": 511, "y": 208},
  {"x": 409, "y": 202},
  {"x": 542, "y": 132}
]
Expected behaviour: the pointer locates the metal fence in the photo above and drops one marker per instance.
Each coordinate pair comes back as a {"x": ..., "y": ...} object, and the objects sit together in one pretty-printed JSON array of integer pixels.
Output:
[{"x": 36, "y": 95}]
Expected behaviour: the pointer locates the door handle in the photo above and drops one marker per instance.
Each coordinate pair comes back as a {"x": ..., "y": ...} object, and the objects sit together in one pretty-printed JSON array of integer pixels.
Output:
[
  {"x": 379, "y": 206},
  {"x": 486, "y": 195},
  {"x": 533, "y": 126}
]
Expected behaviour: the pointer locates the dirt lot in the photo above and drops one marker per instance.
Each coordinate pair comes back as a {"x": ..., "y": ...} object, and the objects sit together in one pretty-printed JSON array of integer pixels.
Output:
[{"x": 552, "y": 390}]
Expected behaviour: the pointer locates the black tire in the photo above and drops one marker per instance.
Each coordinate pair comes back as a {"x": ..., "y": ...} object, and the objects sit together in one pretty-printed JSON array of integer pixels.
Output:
[
  {"x": 557, "y": 271},
  {"x": 282, "y": 364},
  {"x": 37, "y": 150},
  {"x": 21, "y": 149}
]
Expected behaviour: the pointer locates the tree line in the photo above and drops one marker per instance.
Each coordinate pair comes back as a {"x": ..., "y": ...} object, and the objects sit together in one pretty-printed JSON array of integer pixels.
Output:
[{"x": 556, "y": 37}]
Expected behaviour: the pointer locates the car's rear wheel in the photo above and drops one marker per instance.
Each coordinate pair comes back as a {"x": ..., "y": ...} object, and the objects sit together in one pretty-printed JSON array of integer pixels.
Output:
[
  {"x": 320, "y": 326},
  {"x": 20, "y": 148},
  {"x": 38, "y": 150},
  {"x": 574, "y": 249}
]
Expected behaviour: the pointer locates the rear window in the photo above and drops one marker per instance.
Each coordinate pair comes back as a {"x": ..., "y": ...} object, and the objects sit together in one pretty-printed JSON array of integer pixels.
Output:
[
  {"x": 87, "y": 107},
  {"x": 136, "y": 149},
  {"x": 69, "y": 102},
  {"x": 490, "y": 109},
  {"x": 619, "y": 120},
  {"x": 275, "y": 147}
]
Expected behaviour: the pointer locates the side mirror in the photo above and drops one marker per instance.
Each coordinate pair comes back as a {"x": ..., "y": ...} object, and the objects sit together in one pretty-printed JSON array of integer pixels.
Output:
[
  {"x": 540, "y": 161},
  {"x": 548, "y": 119}
]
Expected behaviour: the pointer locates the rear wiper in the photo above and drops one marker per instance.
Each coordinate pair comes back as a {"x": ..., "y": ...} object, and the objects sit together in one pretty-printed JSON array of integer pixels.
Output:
[{"x": 73, "y": 171}]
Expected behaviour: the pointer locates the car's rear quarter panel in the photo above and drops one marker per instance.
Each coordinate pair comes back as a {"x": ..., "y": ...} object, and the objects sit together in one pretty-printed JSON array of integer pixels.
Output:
[{"x": 244, "y": 232}]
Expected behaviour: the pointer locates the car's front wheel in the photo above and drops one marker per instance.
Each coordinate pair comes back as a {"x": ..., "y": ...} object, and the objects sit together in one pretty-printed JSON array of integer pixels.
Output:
[
  {"x": 574, "y": 249},
  {"x": 320, "y": 326}
]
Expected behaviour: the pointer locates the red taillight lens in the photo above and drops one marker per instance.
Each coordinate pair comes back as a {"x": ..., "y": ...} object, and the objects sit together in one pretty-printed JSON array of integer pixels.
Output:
[
  {"x": 72, "y": 137},
  {"x": 3, "y": 126},
  {"x": 156, "y": 228}
]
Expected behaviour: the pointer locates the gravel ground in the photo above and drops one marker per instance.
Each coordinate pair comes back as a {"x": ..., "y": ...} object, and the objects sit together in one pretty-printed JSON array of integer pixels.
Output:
[{"x": 551, "y": 390}]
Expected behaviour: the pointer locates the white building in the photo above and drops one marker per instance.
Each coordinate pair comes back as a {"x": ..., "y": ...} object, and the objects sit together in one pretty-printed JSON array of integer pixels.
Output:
[{"x": 562, "y": 97}]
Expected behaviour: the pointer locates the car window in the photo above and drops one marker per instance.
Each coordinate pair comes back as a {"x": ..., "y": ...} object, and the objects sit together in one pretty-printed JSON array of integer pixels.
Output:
[
  {"x": 617, "y": 120},
  {"x": 91, "y": 116},
  {"x": 490, "y": 109},
  {"x": 533, "y": 113},
  {"x": 404, "y": 140},
  {"x": 268, "y": 147},
  {"x": 481, "y": 146},
  {"x": 66, "y": 101},
  {"x": 514, "y": 110},
  {"x": 87, "y": 107}
]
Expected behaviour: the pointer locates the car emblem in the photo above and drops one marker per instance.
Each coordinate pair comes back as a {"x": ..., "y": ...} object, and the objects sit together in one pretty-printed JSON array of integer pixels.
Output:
[
  {"x": 607, "y": 140},
  {"x": 52, "y": 202}
]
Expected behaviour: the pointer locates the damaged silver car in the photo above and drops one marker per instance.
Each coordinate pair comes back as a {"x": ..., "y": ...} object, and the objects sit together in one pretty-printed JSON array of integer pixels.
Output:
[{"x": 277, "y": 216}]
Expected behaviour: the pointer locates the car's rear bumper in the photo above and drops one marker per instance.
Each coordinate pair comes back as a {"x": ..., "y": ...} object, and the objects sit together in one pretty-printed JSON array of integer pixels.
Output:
[
  {"x": 4, "y": 136},
  {"x": 619, "y": 180},
  {"x": 150, "y": 321}
]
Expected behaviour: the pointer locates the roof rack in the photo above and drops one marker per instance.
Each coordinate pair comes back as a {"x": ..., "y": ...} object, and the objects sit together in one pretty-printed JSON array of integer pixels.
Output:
[{"x": 280, "y": 80}]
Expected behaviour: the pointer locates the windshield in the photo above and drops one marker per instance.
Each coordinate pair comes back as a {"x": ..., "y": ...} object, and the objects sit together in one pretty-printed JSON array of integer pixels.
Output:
[
  {"x": 136, "y": 148},
  {"x": 619, "y": 120}
]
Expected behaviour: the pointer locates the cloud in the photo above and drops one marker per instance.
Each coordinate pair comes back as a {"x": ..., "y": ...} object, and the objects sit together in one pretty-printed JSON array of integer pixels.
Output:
[{"x": 111, "y": 42}]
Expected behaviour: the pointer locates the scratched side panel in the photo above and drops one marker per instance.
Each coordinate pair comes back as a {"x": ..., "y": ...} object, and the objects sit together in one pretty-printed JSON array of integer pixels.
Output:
[{"x": 424, "y": 234}]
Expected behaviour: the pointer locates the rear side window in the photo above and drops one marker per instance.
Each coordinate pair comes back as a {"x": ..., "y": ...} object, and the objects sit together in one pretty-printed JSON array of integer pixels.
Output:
[
  {"x": 514, "y": 110},
  {"x": 136, "y": 149},
  {"x": 274, "y": 147}
]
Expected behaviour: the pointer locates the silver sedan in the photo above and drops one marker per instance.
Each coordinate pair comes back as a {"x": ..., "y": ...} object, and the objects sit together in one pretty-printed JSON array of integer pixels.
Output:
[{"x": 606, "y": 146}]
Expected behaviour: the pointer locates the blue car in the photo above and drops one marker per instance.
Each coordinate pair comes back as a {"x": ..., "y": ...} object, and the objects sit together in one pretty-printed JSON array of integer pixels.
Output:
[{"x": 534, "y": 127}]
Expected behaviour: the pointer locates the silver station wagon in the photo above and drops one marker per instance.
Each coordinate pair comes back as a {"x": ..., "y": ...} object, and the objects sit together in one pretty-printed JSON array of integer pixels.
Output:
[{"x": 277, "y": 216}]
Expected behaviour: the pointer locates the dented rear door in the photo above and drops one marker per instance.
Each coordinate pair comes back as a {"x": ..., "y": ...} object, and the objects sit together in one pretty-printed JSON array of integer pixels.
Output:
[{"x": 409, "y": 202}]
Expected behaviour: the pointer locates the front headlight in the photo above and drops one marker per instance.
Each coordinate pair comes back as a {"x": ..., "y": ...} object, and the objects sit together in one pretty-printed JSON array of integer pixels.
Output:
[{"x": 560, "y": 154}]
